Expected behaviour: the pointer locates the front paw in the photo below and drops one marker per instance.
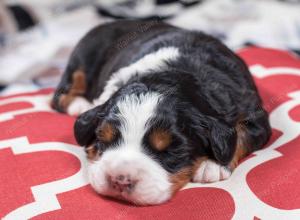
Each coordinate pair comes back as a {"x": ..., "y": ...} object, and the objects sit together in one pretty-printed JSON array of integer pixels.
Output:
[
  {"x": 78, "y": 106},
  {"x": 210, "y": 171}
]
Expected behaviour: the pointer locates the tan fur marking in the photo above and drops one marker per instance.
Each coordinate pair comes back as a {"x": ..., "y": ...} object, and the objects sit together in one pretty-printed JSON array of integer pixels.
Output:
[
  {"x": 160, "y": 139},
  {"x": 107, "y": 133},
  {"x": 78, "y": 83},
  {"x": 92, "y": 152},
  {"x": 78, "y": 88},
  {"x": 241, "y": 146},
  {"x": 65, "y": 100}
]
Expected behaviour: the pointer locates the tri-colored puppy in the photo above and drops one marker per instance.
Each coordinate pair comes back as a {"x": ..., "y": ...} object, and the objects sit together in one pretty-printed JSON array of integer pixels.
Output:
[{"x": 158, "y": 107}]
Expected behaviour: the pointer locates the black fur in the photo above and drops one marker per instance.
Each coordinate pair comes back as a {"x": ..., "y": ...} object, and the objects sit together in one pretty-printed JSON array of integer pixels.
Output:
[{"x": 207, "y": 91}]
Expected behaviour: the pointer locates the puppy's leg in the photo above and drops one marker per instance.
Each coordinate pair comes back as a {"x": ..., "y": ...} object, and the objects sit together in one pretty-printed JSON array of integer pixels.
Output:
[
  {"x": 69, "y": 97},
  {"x": 252, "y": 134},
  {"x": 208, "y": 171}
]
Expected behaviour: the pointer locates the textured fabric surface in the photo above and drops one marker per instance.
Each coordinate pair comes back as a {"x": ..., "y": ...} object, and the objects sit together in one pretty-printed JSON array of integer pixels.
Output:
[{"x": 43, "y": 174}]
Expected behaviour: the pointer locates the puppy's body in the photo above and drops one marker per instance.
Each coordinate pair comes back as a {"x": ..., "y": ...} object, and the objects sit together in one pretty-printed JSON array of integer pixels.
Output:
[{"x": 165, "y": 105}]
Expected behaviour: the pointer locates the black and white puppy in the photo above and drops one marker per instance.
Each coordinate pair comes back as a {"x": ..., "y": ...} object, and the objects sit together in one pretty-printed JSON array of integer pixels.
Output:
[{"x": 158, "y": 107}]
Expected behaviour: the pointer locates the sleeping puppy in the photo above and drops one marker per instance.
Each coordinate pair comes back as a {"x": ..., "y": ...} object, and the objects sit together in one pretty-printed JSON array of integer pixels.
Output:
[{"x": 158, "y": 107}]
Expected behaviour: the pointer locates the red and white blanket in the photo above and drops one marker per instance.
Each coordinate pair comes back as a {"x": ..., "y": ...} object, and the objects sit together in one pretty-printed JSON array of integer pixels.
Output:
[{"x": 43, "y": 174}]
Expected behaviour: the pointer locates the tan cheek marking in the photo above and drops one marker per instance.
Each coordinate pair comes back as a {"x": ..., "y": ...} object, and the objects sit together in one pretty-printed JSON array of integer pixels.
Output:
[
  {"x": 184, "y": 176},
  {"x": 107, "y": 133},
  {"x": 160, "y": 139},
  {"x": 78, "y": 88},
  {"x": 180, "y": 179},
  {"x": 92, "y": 152}
]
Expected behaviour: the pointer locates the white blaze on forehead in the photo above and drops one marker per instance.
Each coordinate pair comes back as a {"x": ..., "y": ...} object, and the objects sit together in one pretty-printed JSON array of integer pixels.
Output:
[
  {"x": 154, "y": 61},
  {"x": 134, "y": 113}
]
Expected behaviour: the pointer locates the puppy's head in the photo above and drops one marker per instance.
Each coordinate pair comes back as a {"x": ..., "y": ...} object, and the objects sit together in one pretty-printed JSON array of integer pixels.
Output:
[{"x": 143, "y": 145}]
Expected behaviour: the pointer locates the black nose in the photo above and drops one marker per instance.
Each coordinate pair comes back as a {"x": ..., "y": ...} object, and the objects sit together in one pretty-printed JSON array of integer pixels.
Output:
[{"x": 122, "y": 183}]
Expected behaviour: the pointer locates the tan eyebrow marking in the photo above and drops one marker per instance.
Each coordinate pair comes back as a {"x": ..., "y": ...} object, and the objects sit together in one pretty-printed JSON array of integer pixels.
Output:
[
  {"x": 160, "y": 139},
  {"x": 107, "y": 133}
]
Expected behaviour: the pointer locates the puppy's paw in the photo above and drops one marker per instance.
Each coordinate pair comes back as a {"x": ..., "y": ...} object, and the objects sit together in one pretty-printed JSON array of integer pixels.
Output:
[
  {"x": 78, "y": 106},
  {"x": 209, "y": 171}
]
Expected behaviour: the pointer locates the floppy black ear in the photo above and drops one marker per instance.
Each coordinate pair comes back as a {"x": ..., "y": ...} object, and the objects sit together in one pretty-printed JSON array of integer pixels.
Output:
[
  {"x": 223, "y": 141},
  {"x": 85, "y": 126}
]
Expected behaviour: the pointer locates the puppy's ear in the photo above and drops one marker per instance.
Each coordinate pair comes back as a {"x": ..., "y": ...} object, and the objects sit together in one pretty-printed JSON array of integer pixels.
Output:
[
  {"x": 222, "y": 140},
  {"x": 85, "y": 126}
]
